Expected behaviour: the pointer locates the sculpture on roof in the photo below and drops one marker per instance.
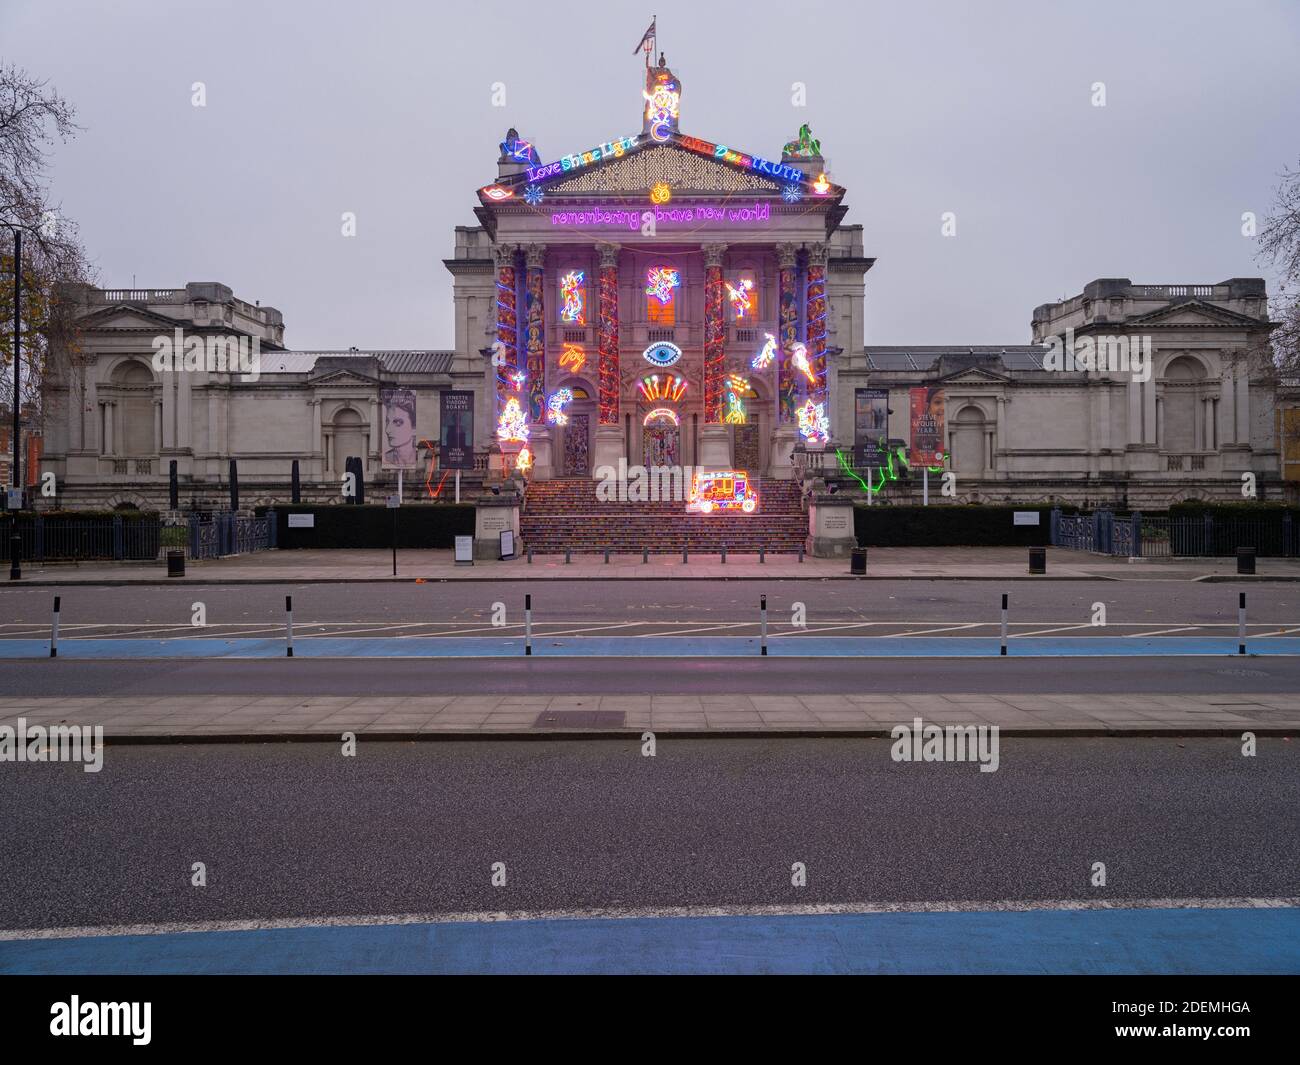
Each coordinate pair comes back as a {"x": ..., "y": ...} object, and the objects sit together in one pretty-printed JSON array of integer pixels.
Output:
[
  {"x": 806, "y": 147},
  {"x": 514, "y": 150}
]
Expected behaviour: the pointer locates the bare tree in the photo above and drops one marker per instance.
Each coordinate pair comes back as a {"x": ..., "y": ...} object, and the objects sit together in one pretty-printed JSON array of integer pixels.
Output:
[
  {"x": 32, "y": 117},
  {"x": 1279, "y": 247}
]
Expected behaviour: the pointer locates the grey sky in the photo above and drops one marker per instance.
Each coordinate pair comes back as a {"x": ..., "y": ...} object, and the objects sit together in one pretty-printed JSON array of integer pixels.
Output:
[{"x": 385, "y": 109}]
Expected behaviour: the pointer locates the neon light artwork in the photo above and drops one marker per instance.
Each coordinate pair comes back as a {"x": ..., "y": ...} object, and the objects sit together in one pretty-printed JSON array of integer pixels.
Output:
[
  {"x": 805, "y": 146},
  {"x": 496, "y": 192},
  {"x": 574, "y": 294},
  {"x": 664, "y": 353},
  {"x": 670, "y": 387},
  {"x": 517, "y": 380},
  {"x": 737, "y": 386},
  {"x": 764, "y": 358},
  {"x": 799, "y": 360},
  {"x": 512, "y": 425},
  {"x": 631, "y": 220},
  {"x": 660, "y": 282},
  {"x": 573, "y": 358},
  {"x": 741, "y": 301},
  {"x": 814, "y": 426},
  {"x": 524, "y": 460},
  {"x": 661, "y": 108},
  {"x": 792, "y": 194},
  {"x": 661, "y": 414},
  {"x": 715, "y": 354},
  {"x": 750, "y": 162},
  {"x": 607, "y": 387},
  {"x": 717, "y": 490},
  {"x": 518, "y": 151},
  {"x": 661, "y": 192},
  {"x": 556, "y": 404},
  {"x": 821, "y": 186},
  {"x": 533, "y": 195},
  {"x": 609, "y": 150}
]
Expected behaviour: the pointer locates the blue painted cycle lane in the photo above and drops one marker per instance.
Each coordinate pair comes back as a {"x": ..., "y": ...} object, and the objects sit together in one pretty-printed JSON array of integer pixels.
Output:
[{"x": 1088, "y": 941}]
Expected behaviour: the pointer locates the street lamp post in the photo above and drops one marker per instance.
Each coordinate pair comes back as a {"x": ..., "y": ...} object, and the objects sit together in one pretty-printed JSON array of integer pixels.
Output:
[{"x": 15, "y": 549}]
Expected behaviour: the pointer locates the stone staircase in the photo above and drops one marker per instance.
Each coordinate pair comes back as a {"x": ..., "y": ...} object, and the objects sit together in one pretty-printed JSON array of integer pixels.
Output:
[{"x": 565, "y": 513}]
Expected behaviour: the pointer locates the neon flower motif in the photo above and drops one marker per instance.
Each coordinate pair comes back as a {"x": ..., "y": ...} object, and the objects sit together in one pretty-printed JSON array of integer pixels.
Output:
[
  {"x": 821, "y": 186},
  {"x": 497, "y": 192},
  {"x": 792, "y": 194},
  {"x": 741, "y": 302},
  {"x": 573, "y": 358},
  {"x": 524, "y": 460},
  {"x": 799, "y": 359},
  {"x": 574, "y": 296},
  {"x": 512, "y": 425},
  {"x": 814, "y": 426},
  {"x": 660, "y": 282},
  {"x": 764, "y": 358},
  {"x": 556, "y": 404},
  {"x": 737, "y": 386},
  {"x": 533, "y": 195}
]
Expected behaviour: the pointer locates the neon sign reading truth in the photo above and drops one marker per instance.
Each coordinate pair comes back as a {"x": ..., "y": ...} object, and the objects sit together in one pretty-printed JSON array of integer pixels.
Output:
[{"x": 751, "y": 162}]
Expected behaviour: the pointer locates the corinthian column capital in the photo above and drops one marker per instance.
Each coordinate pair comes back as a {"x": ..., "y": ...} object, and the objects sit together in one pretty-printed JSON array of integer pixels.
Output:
[
  {"x": 535, "y": 256},
  {"x": 504, "y": 254},
  {"x": 817, "y": 254},
  {"x": 608, "y": 254},
  {"x": 713, "y": 254},
  {"x": 786, "y": 255}
]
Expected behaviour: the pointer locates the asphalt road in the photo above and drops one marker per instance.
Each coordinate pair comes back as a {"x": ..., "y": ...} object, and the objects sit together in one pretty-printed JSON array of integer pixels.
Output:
[
  {"x": 295, "y": 830},
  {"x": 633, "y": 676},
  {"x": 648, "y": 606}
]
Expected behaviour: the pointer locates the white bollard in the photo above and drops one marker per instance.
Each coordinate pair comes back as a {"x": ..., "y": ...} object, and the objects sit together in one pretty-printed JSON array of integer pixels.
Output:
[
  {"x": 762, "y": 613},
  {"x": 528, "y": 624},
  {"x": 1241, "y": 624},
  {"x": 1004, "y": 624},
  {"x": 288, "y": 626},
  {"x": 54, "y": 629}
]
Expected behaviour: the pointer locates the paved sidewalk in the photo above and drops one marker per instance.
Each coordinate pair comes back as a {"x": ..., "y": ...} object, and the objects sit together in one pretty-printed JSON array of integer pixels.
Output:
[
  {"x": 883, "y": 563},
  {"x": 198, "y": 718}
]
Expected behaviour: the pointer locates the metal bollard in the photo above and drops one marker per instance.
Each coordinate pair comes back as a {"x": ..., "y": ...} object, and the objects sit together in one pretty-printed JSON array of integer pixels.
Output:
[
  {"x": 645, "y": 555},
  {"x": 762, "y": 553},
  {"x": 288, "y": 626},
  {"x": 528, "y": 624},
  {"x": 1241, "y": 624},
  {"x": 530, "y": 556},
  {"x": 607, "y": 556},
  {"x": 1004, "y": 624},
  {"x": 724, "y": 554},
  {"x": 762, "y": 613},
  {"x": 54, "y": 629},
  {"x": 801, "y": 553},
  {"x": 567, "y": 556},
  {"x": 683, "y": 554}
]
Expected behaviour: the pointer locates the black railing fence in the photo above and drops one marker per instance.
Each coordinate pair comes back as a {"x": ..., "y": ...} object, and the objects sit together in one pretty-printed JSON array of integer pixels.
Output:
[
  {"x": 1140, "y": 535},
  {"x": 134, "y": 537}
]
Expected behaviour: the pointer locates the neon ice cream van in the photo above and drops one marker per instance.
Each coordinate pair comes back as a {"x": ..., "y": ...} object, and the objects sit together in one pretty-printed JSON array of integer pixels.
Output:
[{"x": 713, "y": 490}]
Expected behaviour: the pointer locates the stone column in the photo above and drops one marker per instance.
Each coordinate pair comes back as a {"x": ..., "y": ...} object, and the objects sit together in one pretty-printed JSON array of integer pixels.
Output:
[
  {"x": 817, "y": 310},
  {"x": 169, "y": 408},
  {"x": 109, "y": 442},
  {"x": 157, "y": 425},
  {"x": 1227, "y": 410},
  {"x": 788, "y": 326},
  {"x": 715, "y": 438},
  {"x": 376, "y": 438},
  {"x": 1000, "y": 443},
  {"x": 1134, "y": 413},
  {"x": 1149, "y": 412},
  {"x": 184, "y": 414},
  {"x": 1243, "y": 404},
  {"x": 535, "y": 348},
  {"x": 315, "y": 446},
  {"x": 608, "y": 447}
]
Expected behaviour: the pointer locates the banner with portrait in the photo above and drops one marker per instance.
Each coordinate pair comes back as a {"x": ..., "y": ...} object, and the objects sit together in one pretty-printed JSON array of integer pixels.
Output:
[
  {"x": 399, "y": 429},
  {"x": 927, "y": 411}
]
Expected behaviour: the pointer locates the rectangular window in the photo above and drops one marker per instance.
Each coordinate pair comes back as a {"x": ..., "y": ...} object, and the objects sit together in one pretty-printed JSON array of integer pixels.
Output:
[{"x": 661, "y": 286}]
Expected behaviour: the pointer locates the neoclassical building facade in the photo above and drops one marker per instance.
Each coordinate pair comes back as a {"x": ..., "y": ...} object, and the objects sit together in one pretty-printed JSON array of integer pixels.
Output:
[{"x": 669, "y": 300}]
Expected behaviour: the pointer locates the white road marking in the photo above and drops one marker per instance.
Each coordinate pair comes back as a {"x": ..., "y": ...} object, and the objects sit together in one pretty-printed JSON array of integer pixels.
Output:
[
  {"x": 1160, "y": 632},
  {"x": 1279, "y": 632},
  {"x": 946, "y": 628},
  {"x": 1060, "y": 628},
  {"x": 632, "y": 913}
]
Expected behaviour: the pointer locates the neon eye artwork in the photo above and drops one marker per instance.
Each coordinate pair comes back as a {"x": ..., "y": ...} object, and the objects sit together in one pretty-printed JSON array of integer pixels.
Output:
[
  {"x": 660, "y": 282},
  {"x": 741, "y": 302},
  {"x": 574, "y": 296},
  {"x": 512, "y": 426},
  {"x": 814, "y": 426},
  {"x": 764, "y": 358},
  {"x": 573, "y": 357},
  {"x": 556, "y": 404},
  {"x": 799, "y": 360},
  {"x": 670, "y": 387},
  {"x": 737, "y": 386}
]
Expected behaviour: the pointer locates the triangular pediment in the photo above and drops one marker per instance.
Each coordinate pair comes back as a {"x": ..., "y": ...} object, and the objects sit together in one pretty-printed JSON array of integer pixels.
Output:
[
  {"x": 974, "y": 375},
  {"x": 1194, "y": 313},
  {"x": 684, "y": 171},
  {"x": 124, "y": 316},
  {"x": 344, "y": 377}
]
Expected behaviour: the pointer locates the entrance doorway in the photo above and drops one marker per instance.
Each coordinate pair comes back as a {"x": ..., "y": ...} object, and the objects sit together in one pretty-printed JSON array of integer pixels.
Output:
[
  {"x": 662, "y": 445},
  {"x": 577, "y": 446}
]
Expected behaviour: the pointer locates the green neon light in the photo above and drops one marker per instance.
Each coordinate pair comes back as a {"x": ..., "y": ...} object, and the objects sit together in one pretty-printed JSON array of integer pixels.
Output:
[{"x": 887, "y": 472}]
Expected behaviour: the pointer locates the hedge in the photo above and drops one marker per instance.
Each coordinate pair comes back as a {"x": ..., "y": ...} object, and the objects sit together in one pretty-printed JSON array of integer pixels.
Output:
[
  {"x": 368, "y": 525},
  {"x": 951, "y": 525}
]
